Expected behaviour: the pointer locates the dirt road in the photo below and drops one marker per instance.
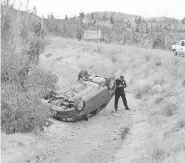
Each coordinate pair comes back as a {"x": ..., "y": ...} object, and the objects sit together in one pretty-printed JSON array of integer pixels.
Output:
[{"x": 94, "y": 141}]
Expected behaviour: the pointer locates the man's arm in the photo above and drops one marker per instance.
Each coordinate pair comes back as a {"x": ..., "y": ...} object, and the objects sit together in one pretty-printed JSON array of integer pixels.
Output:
[{"x": 124, "y": 82}]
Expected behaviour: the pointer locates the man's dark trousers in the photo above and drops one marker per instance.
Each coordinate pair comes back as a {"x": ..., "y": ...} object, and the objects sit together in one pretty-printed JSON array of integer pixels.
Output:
[{"x": 120, "y": 93}]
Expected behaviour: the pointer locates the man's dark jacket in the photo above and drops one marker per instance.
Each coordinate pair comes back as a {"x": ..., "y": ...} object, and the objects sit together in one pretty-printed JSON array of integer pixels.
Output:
[{"x": 120, "y": 85}]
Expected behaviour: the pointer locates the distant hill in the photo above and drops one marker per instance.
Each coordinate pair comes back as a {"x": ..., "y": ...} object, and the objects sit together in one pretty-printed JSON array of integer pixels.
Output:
[{"x": 115, "y": 26}]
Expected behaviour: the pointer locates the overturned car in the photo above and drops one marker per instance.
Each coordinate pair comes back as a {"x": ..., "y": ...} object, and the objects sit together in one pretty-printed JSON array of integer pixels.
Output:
[{"x": 89, "y": 95}]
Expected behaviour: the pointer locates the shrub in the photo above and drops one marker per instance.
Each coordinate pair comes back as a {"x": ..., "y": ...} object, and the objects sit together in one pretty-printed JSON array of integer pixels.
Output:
[
  {"x": 24, "y": 112},
  {"x": 42, "y": 81},
  {"x": 158, "y": 42},
  {"x": 183, "y": 83},
  {"x": 169, "y": 109},
  {"x": 79, "y": 34},
  {"x": 24, "y": 32},
  {"x": 124, "y": 132},
  {"x": 158, "y": 100},
  {"x": 36, "y": 47},
  {"x": 140, "y": 92}
]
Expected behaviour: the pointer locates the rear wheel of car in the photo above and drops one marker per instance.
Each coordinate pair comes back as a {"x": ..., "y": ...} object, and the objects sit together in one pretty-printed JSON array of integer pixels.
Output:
[
  {"x": 79, "y": 104},
  {"x": 82, "y": 73},
  {"x": 110, "y": 83},
  {"x": 93, "y": 112}
]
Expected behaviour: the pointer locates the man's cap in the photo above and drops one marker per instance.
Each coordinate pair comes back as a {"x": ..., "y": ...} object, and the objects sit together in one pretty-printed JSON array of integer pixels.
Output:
[{"x": 121, "y": 76}]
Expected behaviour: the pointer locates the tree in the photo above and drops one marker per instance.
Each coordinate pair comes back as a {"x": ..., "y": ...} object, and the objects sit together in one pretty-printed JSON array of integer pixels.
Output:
[
  {"x": 183, "y": 20},
  {"x": 104, "y": 17},
  {"x": 92, "y": 17},
  {"x": 112, "y": 19},
  {"x": 35, "y": 10},
  {"x": 66, "y": 17},
  {"x": 7, "y": 3},
  {"x": 82, "y": 15},
  {"x": 128, "y": 24},
  {"x": 138, "y": 20}
]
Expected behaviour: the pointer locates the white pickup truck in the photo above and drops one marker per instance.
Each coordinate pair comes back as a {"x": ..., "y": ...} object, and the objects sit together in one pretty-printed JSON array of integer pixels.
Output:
[{"x": 179, "y": 48}]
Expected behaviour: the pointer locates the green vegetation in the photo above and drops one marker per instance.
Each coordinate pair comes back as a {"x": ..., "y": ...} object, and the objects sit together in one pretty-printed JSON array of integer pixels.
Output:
[{"x": 23, "y": 82}]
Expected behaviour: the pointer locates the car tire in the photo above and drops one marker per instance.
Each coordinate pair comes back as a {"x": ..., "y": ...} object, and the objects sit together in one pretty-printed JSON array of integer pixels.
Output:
[
  {"x": 175, "y": 53},
  {"x": 94, "y": 112},
  {"x": 79, "y": 104},
  {"x": 110, "y": 83},
  {"x": 86, "y": 117},
  {"x": 82, "y": 73}
]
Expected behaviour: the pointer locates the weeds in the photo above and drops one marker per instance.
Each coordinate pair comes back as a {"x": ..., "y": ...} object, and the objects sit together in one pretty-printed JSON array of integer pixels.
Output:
[
  {"x": 141, "y": 92},
  {"x": 124, "y": 132},
  {"x": 159, "y": 100},
  {"x": 48, "y": 55},
  {"x": 183, "y": 83},
  {"x": 169, "y": 109}
]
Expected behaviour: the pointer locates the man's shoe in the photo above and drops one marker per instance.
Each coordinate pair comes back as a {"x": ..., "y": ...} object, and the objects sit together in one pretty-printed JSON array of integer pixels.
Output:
[
  {"x": 127, "y": 108},
  {"x": 116, "y": 109}
]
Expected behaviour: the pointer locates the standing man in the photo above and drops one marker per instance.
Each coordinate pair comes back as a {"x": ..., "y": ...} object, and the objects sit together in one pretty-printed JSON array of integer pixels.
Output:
[{"x": 120, "y": 86}]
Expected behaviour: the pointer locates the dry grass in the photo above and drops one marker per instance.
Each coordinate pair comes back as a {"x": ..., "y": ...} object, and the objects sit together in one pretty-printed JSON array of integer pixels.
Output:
[
  {"x": 124, "y": 132},
  {"x": 154, "y": 77}
]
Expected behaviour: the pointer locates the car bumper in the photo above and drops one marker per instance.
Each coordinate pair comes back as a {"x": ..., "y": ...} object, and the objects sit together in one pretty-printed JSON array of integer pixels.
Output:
[{"x": 67, "y": 116}]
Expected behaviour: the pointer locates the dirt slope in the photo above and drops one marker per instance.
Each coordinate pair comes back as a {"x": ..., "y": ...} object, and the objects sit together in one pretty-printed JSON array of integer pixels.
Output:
[
  {"x": 94, "y": 141},
  {"x": 98, "y": 140}
]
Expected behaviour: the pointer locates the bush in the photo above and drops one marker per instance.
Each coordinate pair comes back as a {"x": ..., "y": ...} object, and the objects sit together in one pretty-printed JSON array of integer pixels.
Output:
[
  {"x": 24, "y": 32},
  {"x": 42, "y": 81},
  {"x": 170, "y": 109},
  {"x": 36, "y": 47},
  {"x": 124, "y": 132},
  {"x": 24, "y": 111},
  {"x": 159, "y": 42},
  {"x": 141, "y": 92}
]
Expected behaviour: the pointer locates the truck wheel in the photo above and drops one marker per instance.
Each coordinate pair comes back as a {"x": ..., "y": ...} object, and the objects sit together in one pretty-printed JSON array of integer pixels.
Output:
[
  {"x": 175, "y": 53},
  {"x": 79, "y": 104},
  {"x": 110, "y": 83},
  {"x": 82, "y": 73}
]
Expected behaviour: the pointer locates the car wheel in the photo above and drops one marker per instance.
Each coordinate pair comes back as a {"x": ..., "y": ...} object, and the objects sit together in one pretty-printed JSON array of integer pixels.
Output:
[
  {"x": 93, "y": 112},
  {"x": 82, "y": 73},
  {"x": 79, "y": 104},
  {"x": 86, "y": 117},
  {"x": 175, "y": 53},
  {"x": 110, "y": 83}
]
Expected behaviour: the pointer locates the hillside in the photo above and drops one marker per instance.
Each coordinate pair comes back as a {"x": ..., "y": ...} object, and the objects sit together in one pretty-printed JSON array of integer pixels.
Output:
[
  {"x": 152, "y": 131},
  {"x": 116, "y": 27},
  {"x": 35, "y": 60}
]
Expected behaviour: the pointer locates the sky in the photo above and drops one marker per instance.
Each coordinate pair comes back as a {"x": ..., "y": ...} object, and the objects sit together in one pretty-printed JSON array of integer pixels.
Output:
[{"x": 145, "y": 8}]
